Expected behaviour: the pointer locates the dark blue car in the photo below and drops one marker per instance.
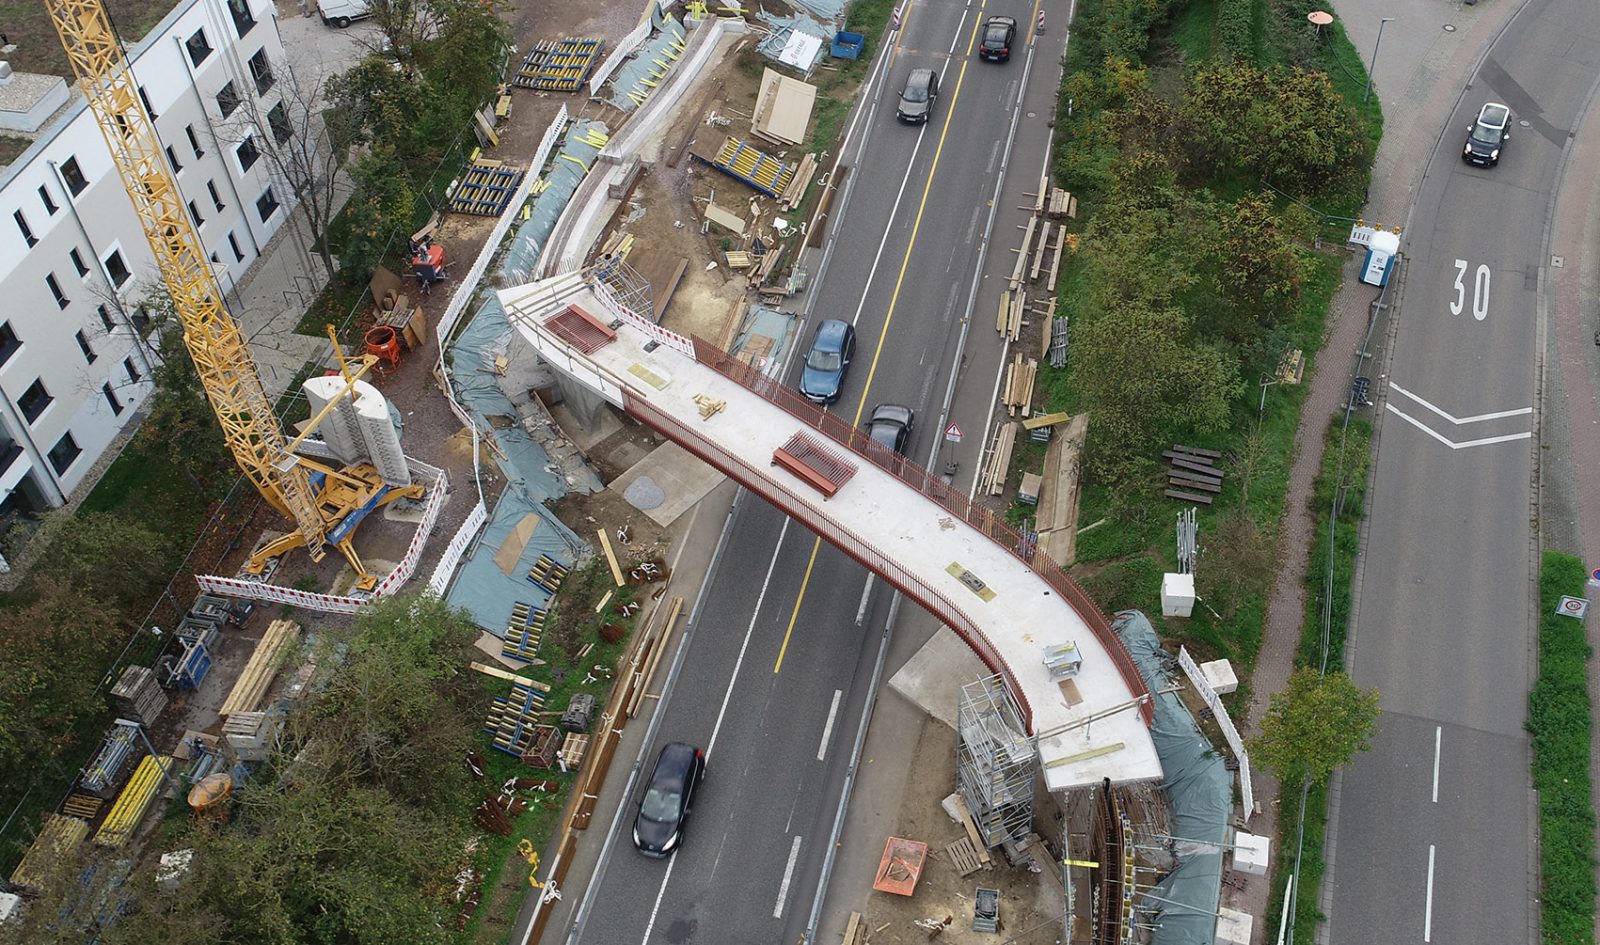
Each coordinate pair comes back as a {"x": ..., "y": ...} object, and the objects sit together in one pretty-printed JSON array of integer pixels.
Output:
[{"x": 831, "y": 351}]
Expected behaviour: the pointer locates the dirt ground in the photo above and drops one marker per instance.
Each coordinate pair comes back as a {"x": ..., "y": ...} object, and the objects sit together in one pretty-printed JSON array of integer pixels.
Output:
[{"x": 1030, "y": 903}]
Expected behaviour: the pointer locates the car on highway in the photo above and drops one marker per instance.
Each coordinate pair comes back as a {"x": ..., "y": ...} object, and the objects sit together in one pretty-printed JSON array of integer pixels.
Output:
[
  {"x": 998, "y": 35},
  {"x": 822, "y": 376},
  {"x": 918, "y": 96},
  {"x": 668, "y": 799},
  {"x": 1487, "y": 134},
  {"x": 890, "y": 426}
]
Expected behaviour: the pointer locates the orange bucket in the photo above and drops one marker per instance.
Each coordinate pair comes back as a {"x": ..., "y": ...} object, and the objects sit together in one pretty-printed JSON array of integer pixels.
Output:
[{"x": 384, "y": 343}]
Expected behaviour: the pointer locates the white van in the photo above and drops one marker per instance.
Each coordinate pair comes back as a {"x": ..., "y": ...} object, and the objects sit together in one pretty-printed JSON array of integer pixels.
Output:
[{"x": 342, "y": 13}]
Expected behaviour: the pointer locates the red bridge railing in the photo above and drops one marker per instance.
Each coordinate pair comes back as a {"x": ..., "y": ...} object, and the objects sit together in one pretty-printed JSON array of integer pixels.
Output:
[{"x": 978, "y": 516}]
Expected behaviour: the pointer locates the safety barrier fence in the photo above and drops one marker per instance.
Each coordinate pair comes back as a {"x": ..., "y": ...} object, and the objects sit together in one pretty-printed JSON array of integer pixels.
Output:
[
  {"x": 978, "y": 516},
  {"x": 1213, "y": 701},
  {"x": 762, "y": 483}
]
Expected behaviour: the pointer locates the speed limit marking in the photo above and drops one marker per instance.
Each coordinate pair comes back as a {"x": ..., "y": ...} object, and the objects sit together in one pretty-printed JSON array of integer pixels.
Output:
[{"x": 1572, "y": 607}]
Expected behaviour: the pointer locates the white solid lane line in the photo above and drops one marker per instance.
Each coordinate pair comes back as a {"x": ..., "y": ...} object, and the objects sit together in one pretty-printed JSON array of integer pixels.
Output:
[
  {"x": 1427, "y": 915},
  {"x": 1438, "y": 737},
  {"x": 827, "y": 730},
  {"x": 788, "y": 874},
  {"x": 650, "y": 926},
  {"x": 1519, "y": 412},
  {"x": 866, "y": 597},
  {"x": 1465, "y": 444}
]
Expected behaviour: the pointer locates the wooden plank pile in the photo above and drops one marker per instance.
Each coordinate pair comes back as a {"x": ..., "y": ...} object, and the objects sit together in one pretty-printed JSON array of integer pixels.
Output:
[
  {"x": 1059, "y": 489},
  {"x": 795, "y": 192},
  {"x": 57, "y": 836},
  {"x": 1018, "y": 392},
  {"x": 262, "y": 669},
  {"x": 252, "y": 735},
  {"x": 137, "y": 695},
  {"x": 134, "y": 801},
  {"x": 1192, "y": 474},
  {"x": 992, "y": 478},
  {"x": 1060, "y": 204},
  {"x": 573, "y": 750},
  {"x": 1008, "y": 320}
]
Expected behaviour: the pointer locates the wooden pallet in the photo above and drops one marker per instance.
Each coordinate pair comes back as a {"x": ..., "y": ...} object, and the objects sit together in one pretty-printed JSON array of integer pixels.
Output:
[
  {"x": 262, "y": 669},
  {"x": 963, "y": 857}
]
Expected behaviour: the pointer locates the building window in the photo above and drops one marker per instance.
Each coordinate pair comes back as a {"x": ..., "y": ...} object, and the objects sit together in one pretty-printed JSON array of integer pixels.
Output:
[
  {"x": 83, "y": 345},
  {"x": 227, "y": 99},
  {"x": 73, "y": 175},
  {"x": 148, "y": 108},
  {"x": 248, "y": 154},
  {"x": 9, "y": 342},
  {"x": 261, "y": 71},
  {"x": 63, "y": 453},
  {"x": 194, "y": 142},
  {"x": 216, "y": 198},
  {"x": 22, "y": 224},
  {"x": 77, "y": 261},
  {"x": 238, "y": 254},
  {"x": 55, "y": 290},
  {"x": 194, "y": 213},
  {"x": 105, "y": 318},
  {"x": 141, "y": 317},
  {"x": 267, "y": 205},
  {"x": 173, "y": 157},
  {"x": 49, "y": 205},
  {"x": 117, "y": 269},
  {"x": 278, "y": 121},
  {"x": 111, "y": 398},
  {"x": 133, "y": 372},
  {"x": 34, "y": 400},
  {"x": 199, "y": 47},
  {"x": 243, "y": 21}
]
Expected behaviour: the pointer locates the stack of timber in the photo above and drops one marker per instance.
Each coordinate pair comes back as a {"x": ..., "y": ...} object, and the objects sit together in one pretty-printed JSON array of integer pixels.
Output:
[
  {"x": 796, "y": 191},
  {"x": 573, "y": 748},
  {"x": 1009, "y": 321},
  {"x": 1192, "y": 474},
  {"x": 262, "y": 669},
  {"x": 1057, "y": 517},
  {"x": 137, "y": 695},
  {"x": 992, "y": 478},
  {"x": 1060, "y": 204},
  {"x": 252, "y": 735},
  {"x": 134, "y": 801},
  {"x": 56, "y": 838},
  {"x": 1020, "y": 377}
]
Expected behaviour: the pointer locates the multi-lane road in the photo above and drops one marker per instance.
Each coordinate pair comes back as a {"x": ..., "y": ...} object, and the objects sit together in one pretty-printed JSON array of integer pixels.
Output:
[
  {"x": 778, "y": 657},
  {"x": 1434, "y": 834}
]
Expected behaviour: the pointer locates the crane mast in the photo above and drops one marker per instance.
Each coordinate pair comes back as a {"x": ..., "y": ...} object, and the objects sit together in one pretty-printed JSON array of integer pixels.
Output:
[{"x": 221, "y": 357}]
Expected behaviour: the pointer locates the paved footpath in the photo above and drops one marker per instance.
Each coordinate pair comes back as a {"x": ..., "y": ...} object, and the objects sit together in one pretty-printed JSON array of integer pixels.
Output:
[{"x": 1419, "y": 75}]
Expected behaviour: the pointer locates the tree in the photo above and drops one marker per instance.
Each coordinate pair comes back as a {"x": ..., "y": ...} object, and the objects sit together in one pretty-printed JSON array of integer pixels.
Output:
[{"x": 1315, "y": 725}]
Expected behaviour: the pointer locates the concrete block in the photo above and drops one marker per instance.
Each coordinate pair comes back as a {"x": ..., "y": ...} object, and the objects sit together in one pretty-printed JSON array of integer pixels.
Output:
[
  {"x": 1234, "y": 927},
  {"x": 1220, "y": 674},
  {"x": 1250, "y": 853},
  {"x": 1177, "y": 595}
]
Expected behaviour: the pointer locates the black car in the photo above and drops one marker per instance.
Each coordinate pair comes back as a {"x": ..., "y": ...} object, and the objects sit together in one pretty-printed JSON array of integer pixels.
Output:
[
  {"x": 1487, "y": 134},
  {"x": 890, "y": 426},
  {"x": 998, "y": 35},
  {"x": 658, "y": 830},
  {"x": 916, "y": 100},
  {"x": 831, "y": 350}
]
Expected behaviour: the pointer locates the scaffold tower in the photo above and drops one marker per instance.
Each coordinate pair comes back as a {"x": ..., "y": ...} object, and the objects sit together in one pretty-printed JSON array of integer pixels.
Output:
[{"x": 996, "y": 762}]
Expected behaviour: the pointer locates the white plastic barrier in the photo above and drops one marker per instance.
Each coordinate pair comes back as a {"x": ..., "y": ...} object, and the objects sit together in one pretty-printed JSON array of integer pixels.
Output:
[
  {"x": 1214, "y": 701},
  {"x": 446, "y": 568},
  {"x": 619, "y": 54}
]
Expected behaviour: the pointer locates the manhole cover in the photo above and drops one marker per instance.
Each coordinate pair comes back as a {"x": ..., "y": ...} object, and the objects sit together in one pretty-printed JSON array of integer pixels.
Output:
[
  {"x": 1032, "y": 114},
  {"x": 1558, "y": 261},
  {"x": 1449, "y": 27},
  {"x": 643, "y": 494},
  {"x": 1525, "y": 123}
]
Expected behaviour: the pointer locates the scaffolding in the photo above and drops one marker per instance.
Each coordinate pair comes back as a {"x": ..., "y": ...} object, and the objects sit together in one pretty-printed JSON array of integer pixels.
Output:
[
  {"x": 996, "y": 762},
  {"x": 627, "y": 287}
]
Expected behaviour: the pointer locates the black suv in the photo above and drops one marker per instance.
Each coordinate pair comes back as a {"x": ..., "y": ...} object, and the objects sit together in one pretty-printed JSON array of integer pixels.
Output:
[
  {"x": 1487, "y": 134},
  {"x": 998, "y": 35},
  {"x": 658, "y": 830}
]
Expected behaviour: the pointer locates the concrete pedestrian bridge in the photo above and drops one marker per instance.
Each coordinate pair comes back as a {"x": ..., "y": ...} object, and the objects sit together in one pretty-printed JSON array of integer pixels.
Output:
[{"x": 956, "y": 559}]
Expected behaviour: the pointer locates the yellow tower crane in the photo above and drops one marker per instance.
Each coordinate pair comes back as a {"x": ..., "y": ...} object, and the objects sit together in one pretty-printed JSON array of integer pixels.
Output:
[{"x": 325, "y": 503}]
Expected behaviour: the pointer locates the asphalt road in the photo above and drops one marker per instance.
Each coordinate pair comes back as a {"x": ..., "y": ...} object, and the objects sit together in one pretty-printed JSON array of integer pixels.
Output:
[
  {"x": 1433, "y": 835},
  {"x": 774, "y": 673}
]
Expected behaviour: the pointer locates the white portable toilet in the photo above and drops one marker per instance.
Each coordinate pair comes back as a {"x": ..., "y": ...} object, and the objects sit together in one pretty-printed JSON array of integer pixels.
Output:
[
  {"x": 1380, "y": 257},
  {"x": 1177, "y": 594}
]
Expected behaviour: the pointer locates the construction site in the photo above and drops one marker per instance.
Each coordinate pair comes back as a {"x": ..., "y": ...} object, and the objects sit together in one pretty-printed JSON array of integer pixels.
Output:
[{"x": 651, "y": 186}]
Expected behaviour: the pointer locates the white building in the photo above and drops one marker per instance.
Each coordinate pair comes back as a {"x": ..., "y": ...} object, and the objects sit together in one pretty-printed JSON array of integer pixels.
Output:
[{"x": 74, "y": 265}]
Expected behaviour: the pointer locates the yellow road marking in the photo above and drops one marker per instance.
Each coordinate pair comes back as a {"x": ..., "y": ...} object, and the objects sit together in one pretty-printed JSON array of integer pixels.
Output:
[{"x": 905, "y": 263}]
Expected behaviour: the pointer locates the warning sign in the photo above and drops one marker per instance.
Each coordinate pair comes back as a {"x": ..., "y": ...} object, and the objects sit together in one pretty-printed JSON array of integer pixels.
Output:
[
  {"x": 952, "y": 433},
  {"x": 1572, "y": 607},
  {"x": 1594, "y": 578}
]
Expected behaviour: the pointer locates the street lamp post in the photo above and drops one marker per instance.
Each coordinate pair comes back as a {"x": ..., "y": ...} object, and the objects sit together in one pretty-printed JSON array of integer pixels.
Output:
[{"x": 1374, "y": 67}]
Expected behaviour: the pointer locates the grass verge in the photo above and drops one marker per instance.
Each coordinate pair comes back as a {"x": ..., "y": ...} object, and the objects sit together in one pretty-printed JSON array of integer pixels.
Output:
[{"x": 1560, "y": 718}]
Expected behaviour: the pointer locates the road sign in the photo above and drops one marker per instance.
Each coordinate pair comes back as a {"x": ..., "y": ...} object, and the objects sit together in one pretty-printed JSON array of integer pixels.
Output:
[
  {"x": 1594, "y": 578},
  {"x": 1572, "y": 607},
  {"x": 952, "y": 433}
]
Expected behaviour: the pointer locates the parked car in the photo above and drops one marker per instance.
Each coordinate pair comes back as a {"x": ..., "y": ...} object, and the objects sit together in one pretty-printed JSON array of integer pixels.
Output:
[
  {"x": 831, "y": 350},
  {"x": 668, "y": 799},
  {"x": 1487, "y": 134},
  {"x": 890, "y": 426},
  {"x": 998, "y": 35},
  {"x": 918, "y": 97},
  {"x": 342, "y": 13}
]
